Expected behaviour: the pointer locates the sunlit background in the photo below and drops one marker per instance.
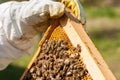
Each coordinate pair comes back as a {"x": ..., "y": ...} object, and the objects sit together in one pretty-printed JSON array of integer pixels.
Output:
[{"x": 103, "y": 27}]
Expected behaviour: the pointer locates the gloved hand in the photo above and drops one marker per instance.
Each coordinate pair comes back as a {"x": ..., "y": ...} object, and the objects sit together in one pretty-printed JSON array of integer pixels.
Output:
[
  {"x": 20, "y": 22},
  {"x": 34, "y": 17}
]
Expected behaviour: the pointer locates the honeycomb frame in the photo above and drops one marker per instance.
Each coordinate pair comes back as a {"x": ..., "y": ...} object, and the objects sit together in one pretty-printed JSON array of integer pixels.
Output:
[{"x": 76, "y": 34}]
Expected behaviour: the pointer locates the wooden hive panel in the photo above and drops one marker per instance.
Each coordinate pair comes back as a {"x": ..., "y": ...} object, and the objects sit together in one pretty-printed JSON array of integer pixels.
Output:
[{"x": 72, "y": 31}]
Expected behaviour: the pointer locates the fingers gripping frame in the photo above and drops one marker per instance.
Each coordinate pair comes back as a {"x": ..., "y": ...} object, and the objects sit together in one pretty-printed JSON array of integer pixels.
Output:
[{"x": 76, "y": 7}]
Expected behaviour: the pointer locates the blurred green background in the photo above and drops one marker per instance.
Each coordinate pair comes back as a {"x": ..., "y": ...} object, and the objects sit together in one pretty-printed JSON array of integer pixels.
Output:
[{"x": 103, "y": 27}]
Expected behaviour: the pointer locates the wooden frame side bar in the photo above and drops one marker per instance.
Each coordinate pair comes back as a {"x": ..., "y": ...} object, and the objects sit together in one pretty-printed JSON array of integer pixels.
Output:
[{"x": 94, "y": 62}]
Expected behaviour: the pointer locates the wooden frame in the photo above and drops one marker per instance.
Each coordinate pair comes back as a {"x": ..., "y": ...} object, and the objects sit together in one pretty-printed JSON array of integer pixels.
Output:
[{"x": 94, "y": 62}]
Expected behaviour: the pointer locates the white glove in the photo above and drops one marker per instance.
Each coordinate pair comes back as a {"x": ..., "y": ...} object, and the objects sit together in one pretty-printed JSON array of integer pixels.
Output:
[{"x": 20, "y": 22}]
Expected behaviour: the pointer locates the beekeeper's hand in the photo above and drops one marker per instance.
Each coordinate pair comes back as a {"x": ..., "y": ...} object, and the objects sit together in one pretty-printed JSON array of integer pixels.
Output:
[{"x": 20, "y": 22}]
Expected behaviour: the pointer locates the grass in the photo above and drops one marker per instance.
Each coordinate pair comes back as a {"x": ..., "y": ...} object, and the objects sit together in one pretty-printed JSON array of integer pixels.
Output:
[
  {"x": 107, "y": 41},
  {"x": 97, "y": 12}
]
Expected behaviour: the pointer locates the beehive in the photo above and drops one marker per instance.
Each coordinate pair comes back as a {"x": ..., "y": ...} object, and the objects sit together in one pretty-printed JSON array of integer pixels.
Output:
[{"x": 71, "y": 30}]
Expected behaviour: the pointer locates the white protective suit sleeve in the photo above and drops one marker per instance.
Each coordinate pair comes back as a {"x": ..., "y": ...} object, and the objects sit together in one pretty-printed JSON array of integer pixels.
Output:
[{"x": 20, "y": 22}]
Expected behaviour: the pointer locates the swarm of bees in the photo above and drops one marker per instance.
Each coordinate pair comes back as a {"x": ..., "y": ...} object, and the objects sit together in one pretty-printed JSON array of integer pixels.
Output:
[{"x": 57, "y": 62}]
